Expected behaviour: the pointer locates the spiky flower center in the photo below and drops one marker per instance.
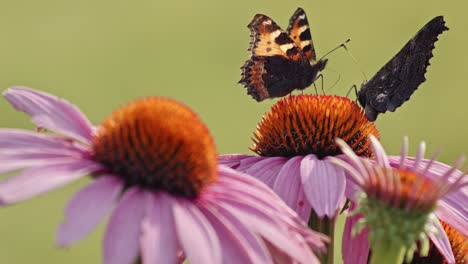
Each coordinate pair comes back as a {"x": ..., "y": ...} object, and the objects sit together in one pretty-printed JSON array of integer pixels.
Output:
[
  {"x": 308, "y": 124},
  {"x": 157, "y": 144},
  {"x": 458, "y": 242}
]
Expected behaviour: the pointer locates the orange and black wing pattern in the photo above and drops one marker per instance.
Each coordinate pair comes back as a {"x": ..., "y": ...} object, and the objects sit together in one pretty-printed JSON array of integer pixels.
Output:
[
  {"x": 299, "y": 32},
  {"x": 276, "y": 63}
]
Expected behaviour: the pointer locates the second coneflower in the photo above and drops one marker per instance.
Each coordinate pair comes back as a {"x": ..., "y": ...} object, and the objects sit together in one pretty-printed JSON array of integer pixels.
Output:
[
  {"x": 153, "y": 164},
  {"x": 294, "y": 142}
]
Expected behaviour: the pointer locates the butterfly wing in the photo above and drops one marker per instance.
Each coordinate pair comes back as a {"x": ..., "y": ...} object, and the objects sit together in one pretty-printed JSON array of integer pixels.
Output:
[
  {"x": 397, "y": 80},
  {"x": 299, "y": 31},
  {"x": 276, "y": 65}
]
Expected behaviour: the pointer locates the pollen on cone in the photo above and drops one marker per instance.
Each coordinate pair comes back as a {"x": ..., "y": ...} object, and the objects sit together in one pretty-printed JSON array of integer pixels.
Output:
[
  {"x": 308, "y": 124},
  {"x": 159, "y": 144}
]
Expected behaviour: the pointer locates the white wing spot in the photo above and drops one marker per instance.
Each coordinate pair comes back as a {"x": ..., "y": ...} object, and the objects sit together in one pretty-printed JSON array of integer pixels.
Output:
[
  {"x": 267, "y": 22},
  {"x": 275, "y": 34},
  {"x": 302, "y": 29},
  {"x": 286, "y": 47},
  {"x": 302, "y": 16},
  {"x": 305, "y": 43}
]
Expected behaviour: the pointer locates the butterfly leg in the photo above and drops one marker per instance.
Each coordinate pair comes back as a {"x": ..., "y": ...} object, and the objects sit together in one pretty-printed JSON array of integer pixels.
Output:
[
  {"x": 355, "y": 90},
  {"x": 315, "y": 87},
  {"x": 321, "y": 77}
]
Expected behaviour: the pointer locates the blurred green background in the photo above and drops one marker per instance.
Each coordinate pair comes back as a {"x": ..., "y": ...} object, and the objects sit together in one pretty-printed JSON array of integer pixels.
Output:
[{"x": 102, "y": 54}]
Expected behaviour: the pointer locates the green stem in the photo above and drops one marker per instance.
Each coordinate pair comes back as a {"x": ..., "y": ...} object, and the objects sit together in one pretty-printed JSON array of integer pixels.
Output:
[
  {"x": 325, "y": 226},
  {"x": 386, "y": 252}
]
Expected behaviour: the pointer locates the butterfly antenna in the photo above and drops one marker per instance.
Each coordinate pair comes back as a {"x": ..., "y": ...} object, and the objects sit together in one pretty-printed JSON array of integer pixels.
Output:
[
  {"x": 355, "y": 61},
  {"x": 336, "y": 82},
  {"x": 342, "y": 45}
]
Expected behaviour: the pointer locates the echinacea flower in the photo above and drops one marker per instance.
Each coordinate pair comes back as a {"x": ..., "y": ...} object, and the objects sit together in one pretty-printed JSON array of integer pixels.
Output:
[
  {"x": 153, "y": 165},
  {"x": 294, "y": 141},
  {"x": 402, "y": 203}
]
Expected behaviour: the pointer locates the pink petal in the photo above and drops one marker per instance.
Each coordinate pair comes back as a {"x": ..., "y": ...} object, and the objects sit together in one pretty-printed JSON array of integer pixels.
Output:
[
  {"x": 87, "y": 208},
  {"x": 288, "y": 186},
  {"x": 442, "y": 243},
  {"x": 121, "y": 240},
  {"x": 266, "y": 170},
  {"x": 324, "y": 185},
  {"x": 272, "y": 231},
  {"x": 453, "y": 217},
  {"x": 241, "y": 187},
  {"x": 238, "y": 244},
  {"x": 231, "y": 160},
  {"x": 158, "y": 241},
  {"x": 355, "y": 249},
  {"x": 248, "y": 162},
  {"x": 379, "y": 152},
  {"x": 26, "y": 160},
  {"x": 50, "y": 112},
  {"x": 246, "y": 193},
  {"x": 38, "y": 180},
  {"x": 197, "y": 237},
  {"x": 352, "y": 190}
]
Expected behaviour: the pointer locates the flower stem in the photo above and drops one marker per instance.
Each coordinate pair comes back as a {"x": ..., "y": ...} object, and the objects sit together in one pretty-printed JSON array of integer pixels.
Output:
[
  {"x": 325, "y": 226},
  {"x": 386, "y": 252}
]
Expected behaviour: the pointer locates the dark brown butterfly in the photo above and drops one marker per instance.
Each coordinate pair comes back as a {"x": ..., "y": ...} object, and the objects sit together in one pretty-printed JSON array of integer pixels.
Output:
[
  {"x": 396, "y": 81},
  {"x": 280, "y": 62}
]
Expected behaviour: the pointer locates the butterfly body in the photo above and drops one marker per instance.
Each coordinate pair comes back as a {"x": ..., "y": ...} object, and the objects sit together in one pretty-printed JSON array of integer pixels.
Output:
[
  {"x": 397, "y": 80},
  {"x": 280, "y": 61}
]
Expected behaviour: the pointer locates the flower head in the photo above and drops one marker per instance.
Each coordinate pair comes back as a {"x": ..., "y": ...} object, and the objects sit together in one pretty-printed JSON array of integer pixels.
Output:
[
  {"x": 295, "y": 140},
  {"x": 400, "y": 203},
  {"x": 155, "y": 162}
]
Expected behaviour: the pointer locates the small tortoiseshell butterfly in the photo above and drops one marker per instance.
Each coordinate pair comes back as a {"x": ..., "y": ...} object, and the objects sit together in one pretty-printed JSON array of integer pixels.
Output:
[
  {"x": 396, "y": 81},
  {"x": 280, "y": 62}
]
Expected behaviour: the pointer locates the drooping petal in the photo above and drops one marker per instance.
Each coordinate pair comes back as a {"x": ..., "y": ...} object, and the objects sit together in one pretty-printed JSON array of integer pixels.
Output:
[
  {"x": 241, "y": 187},
  {"x": 238, "y": 243},
  {"x": 266, "y": 170},
  {"x": 324, "y": 185},
  {"x": 288, "y": 186},
  {"x": 197, "y": 237},
  {"x": 158, "y": 241},
  {"x": 272, "y": 231},
  {"x": 442, "y": 243},
  {"x": 50, "y": 112},
  {"x": 235, "y": 189},
  {"x": 122, "y": 236},
  {"x": 87, "y": 208},
  {"x": 38, "y": 180},
  {"x": 355, "y": 248}
]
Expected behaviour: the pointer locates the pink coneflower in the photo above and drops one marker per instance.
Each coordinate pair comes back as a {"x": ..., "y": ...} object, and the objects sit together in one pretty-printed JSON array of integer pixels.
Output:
[
  {"x": 403, "y": 202},
  {"x": 155, "y": 162},
  {"x": 294, "y": 141}
]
